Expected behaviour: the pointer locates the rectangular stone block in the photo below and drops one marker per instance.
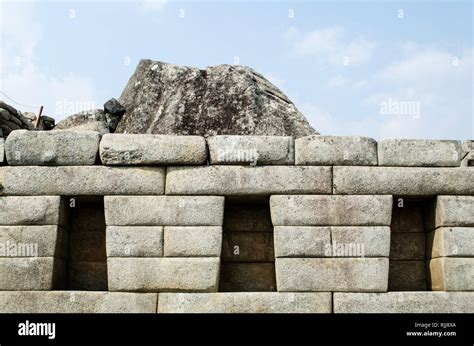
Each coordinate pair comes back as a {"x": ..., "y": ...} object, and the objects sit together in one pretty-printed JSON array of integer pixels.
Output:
[
  {"x": 455, "y": 211},
  {"x": 2, "y": 150},
  {"x": 302, "y": 241},
  {"x": 322, "y": 210},
  {"x": 407, "y": 181},
  {"x": 370, "y": 241},
  {"x": 31, "y": 273},
  {"x": 240, "y": 180},
  {"x": 255, "y": 150},
  {"x": 247, "y": 277},
  {"x": 163, "y": 274},
  {"x": 336, "y": 150},
  {"x": 193, "y": 241},
  {"x": 76, "y": 302},
  {"x": 134, "y": 241},
  {"x": 30, "y": 210},
  {"x": 164, "y": 210},
  {"x": 332, "y": 274},
  {"x": 87, "y": 247},
  {"x": 33, "y": 241},
  {"x": 407, "y": 276},
  {"x": 89, "y": 276},
  {"x": 247, "y": 247},
  {"x": 404, "y": 302},
  {"x": 245, "y": 302},
  {"x": 451, "y": 242},
  {"x": 248, "y": 217},
  {"x": 52, "y": 148},
  {"x": 407, "y": 246},
  {"x": 83, "y": 180},
  {"x": 148, "y": 149},
  {"x": 452, "y": 274},
  {"x": 419, "y": 152}
]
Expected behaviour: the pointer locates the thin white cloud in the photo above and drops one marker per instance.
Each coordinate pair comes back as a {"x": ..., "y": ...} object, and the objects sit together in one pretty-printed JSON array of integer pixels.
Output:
[
  {"x": 330, "y": 46},
  {"x": 152, "y": 5}
]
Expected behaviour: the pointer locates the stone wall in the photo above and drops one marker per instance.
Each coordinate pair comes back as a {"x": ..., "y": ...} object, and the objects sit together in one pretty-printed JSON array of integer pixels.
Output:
[{"x": 341, "y": 224}]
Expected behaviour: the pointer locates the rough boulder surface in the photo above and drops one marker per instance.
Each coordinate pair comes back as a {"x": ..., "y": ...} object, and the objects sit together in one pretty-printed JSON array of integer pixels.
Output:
[{"x": 162, "y": 98}]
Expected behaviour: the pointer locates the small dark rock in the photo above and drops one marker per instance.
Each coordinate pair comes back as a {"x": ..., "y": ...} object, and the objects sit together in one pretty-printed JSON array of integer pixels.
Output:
[{"x": 113, "y": 107}]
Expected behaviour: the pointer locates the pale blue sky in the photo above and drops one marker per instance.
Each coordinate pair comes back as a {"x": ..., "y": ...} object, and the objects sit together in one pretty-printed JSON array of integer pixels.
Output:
[{"x": 347, "y": 65}]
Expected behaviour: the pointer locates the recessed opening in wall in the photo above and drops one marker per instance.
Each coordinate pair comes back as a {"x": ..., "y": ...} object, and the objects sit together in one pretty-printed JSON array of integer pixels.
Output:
[
  {"x": 248, "y": 260},
  {"x": 412, "y": 220},
  {"x": 87, "y": 259}
]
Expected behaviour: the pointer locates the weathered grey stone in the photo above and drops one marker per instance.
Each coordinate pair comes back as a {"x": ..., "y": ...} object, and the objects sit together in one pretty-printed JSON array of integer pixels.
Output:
[
  {"x": 408, "y": 181},
  {"x": 451, "y": 242},
  {"x": 254, "y": 150},
  {"x": 76, "y": 302},
  {"x": 31, "y": 210},
  {"x": 324, "y": 210},
  {"x": 332, "y": 274},
  {"x": 245, "y": 302},
  {"x": 40, "y": 241},
  {"x": 247, "y": 247},
  {"x": 247, "y": 277},
  {"x": 114, "y": 107},
  {"x": 247, "y": 217},
  {"x": 87, "y": 247},
  {"x": 407, "y": 246},
  {"x": 84, "y": 180},
  {"x": 163, "y": 274},
  {"x": 134, "y": 241},
  {"x": 452, "y": 274},
  {"x": 468, "y": 160},
  {"x": 2, "y": 150},
  {"x": 301, "y": 241},
  {"x": 88, "y": 276},
  {"x": 31, "y": 273},
  {"x": 91, "y": 120},
  {"x": 192, "y": 241},
  {"x": 238, "y": 180},
  {"x": 455, "y": 211},
  {"x": 419, "y": 152},
  {"x": 125, "y": 149},
  {"x": 404, "y": 302},
  {"x": 164, "y": 210},
  {"x": 52, "y": 148},
  {"x": 407, "y": 276},
  {"x": 371, "y": 241},
  {"x": 220, "y": 100},
  {"x": 336, "y": 150}
]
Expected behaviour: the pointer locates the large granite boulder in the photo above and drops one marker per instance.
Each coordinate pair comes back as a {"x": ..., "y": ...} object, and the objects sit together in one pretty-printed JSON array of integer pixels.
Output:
[
  {"x": 92, "y": 120},
  {"x": 162, "y": 98}
]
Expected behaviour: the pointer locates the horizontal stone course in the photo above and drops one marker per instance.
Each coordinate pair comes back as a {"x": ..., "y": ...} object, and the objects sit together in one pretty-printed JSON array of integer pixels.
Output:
[
  {"x": 404, "y": 302},
  {"x": 336, "y": 150},
  {"x": 451, "y": 242},
  {"x": 372, "y": 241},
  {"x": 57, "y": 148},
  {"x": 192, "y": 241},
  {"x": 245, "y": 302},
  {"x": 147, "y": 149},
  {"x": 455, "y": 211},
  {"x": 164, "y": 210},
  {"x": 134, "y": 241},
  {"x": 31, "y": 210},
  {"x": 84, "y": 180},
  {"x": 408, "y": 181},
  {"x": 255, "y": 150},
  {"x": 332, "y": 274},
  {"x": 35, "y": 241},
  {"x": 302, "y": 241},
  {"x": 419, "y": 152},
  {"x": 240, "y": 180},
  {"x": 322, "y": 210},
  {"x": 452, "y": 274},
  {"x": 31, "y": 273},
  {"x": 163, "y": 274},
  {"x": 32, "y": 302}
]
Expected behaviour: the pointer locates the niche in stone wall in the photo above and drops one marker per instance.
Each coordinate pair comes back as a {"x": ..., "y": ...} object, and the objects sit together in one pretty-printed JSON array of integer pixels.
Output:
[
  {"x": 248, "y": 260},
  {"x": 87, "y": 259},
  {"x": 412, "y": 219}
]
